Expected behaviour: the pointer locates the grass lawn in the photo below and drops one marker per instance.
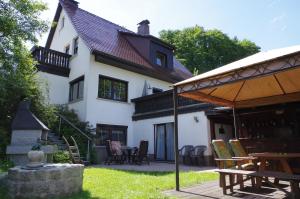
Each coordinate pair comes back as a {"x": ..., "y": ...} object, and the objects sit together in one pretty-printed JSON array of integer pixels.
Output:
[
  {"x": 108, "y": 183},
  {"x": 100, "y": 183}
]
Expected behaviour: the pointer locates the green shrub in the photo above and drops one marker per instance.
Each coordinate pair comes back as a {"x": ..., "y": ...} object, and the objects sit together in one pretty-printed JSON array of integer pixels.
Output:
[
  {"x": 61, "y": 157},
  {"x": 66, "y": 130},
  {"x": 5, "y": 165}
]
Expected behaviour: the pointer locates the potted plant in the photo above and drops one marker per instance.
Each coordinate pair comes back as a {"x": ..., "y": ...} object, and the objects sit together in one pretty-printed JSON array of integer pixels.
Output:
[{"x": 35, "y": 156}]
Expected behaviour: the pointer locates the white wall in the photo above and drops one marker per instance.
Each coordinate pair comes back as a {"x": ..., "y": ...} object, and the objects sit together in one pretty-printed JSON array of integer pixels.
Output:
[
  {"x": 103, "y": 111},
  {"x": 79, "y": 63},
  {"x": 55, "y": 88},
  {"x": 190, "y": 132},
  {"x": 228, "y": 132}
]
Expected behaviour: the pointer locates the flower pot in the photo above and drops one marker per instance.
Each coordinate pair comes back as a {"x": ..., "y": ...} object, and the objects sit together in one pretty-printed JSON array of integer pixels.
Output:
[{"x": 35, "y": 158}]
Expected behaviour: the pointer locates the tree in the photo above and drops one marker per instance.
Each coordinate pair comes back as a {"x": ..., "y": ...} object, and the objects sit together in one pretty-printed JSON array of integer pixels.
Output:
[
  {"x": 20, "y": 25},
  {"x": 202, "y": 50}
]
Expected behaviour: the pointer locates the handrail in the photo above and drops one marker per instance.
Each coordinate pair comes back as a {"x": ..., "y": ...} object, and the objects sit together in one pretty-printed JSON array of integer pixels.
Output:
[
  {"x": 51, "y": 57},
  {"x": 76, "y": 128},
  {"x": 80, "y": 131}
]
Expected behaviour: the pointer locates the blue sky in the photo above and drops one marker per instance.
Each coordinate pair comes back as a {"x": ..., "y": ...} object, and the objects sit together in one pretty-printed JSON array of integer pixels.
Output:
[{"x": 269, "y": 23}]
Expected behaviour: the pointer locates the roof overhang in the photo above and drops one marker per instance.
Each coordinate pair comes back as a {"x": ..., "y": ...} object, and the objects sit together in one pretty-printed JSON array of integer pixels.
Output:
[
  {"x": 127, "y": 65},
  {"x": 262, "y": 79}
]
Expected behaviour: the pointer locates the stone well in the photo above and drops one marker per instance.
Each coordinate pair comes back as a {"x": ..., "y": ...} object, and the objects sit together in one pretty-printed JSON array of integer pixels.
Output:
[{"x": 49, "y": 181}]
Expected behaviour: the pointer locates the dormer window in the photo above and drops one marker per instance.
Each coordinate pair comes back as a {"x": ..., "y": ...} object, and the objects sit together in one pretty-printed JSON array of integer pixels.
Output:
[
  {"x": 75, "y": 46},
  {"x": 156, "y": 90},
  {"x": 161, "y": 59}
]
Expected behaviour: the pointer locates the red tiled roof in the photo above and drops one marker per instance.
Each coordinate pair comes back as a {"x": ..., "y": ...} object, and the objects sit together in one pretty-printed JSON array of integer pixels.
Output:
[{"x": 104, "y": 36}]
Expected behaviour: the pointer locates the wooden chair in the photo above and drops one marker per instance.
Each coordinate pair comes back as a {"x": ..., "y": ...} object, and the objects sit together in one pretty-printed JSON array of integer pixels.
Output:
[
  {"x": 142, "y": 153},
  {"x": 237, "y": 148},
  {"x": 224, "y": 160},
  {"x": 73, "y": 151}
]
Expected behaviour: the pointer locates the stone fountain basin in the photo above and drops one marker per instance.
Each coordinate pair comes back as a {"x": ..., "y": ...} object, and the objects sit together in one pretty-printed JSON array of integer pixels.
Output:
[{"x": 49, "y": 181}]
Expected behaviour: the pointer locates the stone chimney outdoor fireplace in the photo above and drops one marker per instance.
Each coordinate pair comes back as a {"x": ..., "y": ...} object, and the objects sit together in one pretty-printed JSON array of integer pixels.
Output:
[{"x": 27, "y": 130}]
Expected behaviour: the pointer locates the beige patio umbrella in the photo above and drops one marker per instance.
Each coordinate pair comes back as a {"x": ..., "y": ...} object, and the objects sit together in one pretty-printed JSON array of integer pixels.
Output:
[{"x": 264, "y": 78}]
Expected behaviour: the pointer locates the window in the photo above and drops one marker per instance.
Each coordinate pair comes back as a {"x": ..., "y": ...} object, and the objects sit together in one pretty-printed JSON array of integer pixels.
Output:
[
  {"x": 75, "y": 48},
  {"x": 161, "y": 59},
  {"x": 67, "y": 49},
  {"x": 114, "y": 89},
  {"x": 110, "y": 132},
  {"x": 62, "y": 23},
  {"x": 76, "y": 89},
  {"x": 156, "y": 90}
]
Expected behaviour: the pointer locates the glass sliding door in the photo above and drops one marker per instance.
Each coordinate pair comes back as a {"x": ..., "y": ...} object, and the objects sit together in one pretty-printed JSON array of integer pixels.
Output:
[
  {"x": 164, "y": 142},
  {"x": 160, "y": 142},
  {"x": 170, "y": 141}
]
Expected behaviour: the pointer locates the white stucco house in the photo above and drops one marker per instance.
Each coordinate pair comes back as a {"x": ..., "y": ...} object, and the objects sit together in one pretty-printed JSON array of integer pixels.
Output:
[{"x": 119, "y": 81}]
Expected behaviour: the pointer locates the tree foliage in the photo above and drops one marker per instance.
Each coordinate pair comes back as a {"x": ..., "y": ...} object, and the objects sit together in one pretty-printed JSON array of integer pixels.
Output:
[
  {"x": 63, "y": 128},
  {"x": 20, "y": 25},
  {"x": 201, "y": 50}
]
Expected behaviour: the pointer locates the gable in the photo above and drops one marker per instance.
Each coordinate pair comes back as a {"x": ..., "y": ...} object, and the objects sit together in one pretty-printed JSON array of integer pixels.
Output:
[{"x": 104, "y": 38}]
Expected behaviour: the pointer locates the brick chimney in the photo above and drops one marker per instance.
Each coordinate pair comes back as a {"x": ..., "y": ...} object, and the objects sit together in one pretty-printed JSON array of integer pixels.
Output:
[
  {"x": 143, "y": 27},
  {"x": 71, "y": 3}
]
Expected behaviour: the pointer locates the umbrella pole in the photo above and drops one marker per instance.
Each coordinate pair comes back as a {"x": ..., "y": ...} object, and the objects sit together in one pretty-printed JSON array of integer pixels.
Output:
[
  {"x": 175, "y": 99},
  {"x": 234, "y": 123}
]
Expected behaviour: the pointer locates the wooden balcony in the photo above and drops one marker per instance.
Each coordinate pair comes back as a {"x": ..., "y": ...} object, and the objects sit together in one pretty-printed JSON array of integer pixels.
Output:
[
  {"x": 51, "y": 61},
  {"x": 161, "y": 104}
]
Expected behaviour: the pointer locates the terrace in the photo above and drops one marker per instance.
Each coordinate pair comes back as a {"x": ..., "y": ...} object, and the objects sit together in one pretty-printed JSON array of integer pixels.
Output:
[
  {"x": 51, "y": 61},
  {"x": 161, "y": 104}
]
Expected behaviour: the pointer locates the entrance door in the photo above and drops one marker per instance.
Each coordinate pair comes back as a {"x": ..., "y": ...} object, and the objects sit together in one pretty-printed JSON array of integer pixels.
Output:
[{"x": 164, "y": 142}]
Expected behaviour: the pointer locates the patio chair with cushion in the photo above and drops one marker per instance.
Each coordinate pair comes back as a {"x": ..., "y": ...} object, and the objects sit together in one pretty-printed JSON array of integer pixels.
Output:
[
  {"x": 141, "y": 153},
  {"x": 239, "y": 151},
  {"x": 113, "y": 155},
  {"x": 237, "y": 148},
  {"x": 197, "y": 154},
  {"x": 185, "y": 153},
  {"x": 225, "y": 160}
]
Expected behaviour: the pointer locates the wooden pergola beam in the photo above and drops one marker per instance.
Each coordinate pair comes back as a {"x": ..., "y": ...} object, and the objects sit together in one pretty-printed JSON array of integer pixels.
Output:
[
  {"x": 197, "y": 95},
  {"x": 290, "y": 97}
]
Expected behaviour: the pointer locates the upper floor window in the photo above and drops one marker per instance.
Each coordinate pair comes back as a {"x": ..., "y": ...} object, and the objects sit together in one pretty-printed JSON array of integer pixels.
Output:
[
  {"x": 62, "y": 23},
  {"x": 114, "y": 89},
  {"x": 67, "y": 49},
  {"x": 156, "y": 90},
  {"x": 76, "y": 89},
  {"x": 75, "y": 46},
  {"x": 161, "y": 59},
  {"x": 110, "y": 132}
]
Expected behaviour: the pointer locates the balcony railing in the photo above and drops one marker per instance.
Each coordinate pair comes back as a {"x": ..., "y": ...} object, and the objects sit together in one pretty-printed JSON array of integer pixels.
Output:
[
  {"x": 52, "y": 61},
  {"x": 161, "y": 104}
]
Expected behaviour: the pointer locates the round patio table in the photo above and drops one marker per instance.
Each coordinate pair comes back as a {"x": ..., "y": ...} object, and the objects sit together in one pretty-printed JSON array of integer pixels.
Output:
[
  {"x": 128, "y": 150},
  {"x": 281, "y": 157}
]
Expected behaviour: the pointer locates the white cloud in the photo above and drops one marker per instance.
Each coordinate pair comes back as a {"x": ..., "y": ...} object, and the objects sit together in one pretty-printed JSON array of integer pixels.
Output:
[
  {"x": 272, "y": 3},
  {"x": 283, "y": 28},
  {"x": 278, "y": 18}
]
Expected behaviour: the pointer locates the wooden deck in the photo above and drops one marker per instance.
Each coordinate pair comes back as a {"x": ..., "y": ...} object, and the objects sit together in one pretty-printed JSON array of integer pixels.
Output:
[{"x": 211, "y": 190}]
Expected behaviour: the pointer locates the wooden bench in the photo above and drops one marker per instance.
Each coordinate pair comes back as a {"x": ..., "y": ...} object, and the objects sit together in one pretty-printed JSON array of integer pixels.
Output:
[{"x": 264, "y": 175}]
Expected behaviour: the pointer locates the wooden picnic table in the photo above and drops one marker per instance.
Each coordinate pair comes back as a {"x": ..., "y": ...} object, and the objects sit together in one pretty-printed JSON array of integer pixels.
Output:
[{"x": 281, "y": 157}]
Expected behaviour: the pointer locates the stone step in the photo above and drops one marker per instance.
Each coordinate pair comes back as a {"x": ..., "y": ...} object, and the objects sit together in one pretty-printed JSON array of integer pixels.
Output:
[{"x": 55, "y": 139}]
